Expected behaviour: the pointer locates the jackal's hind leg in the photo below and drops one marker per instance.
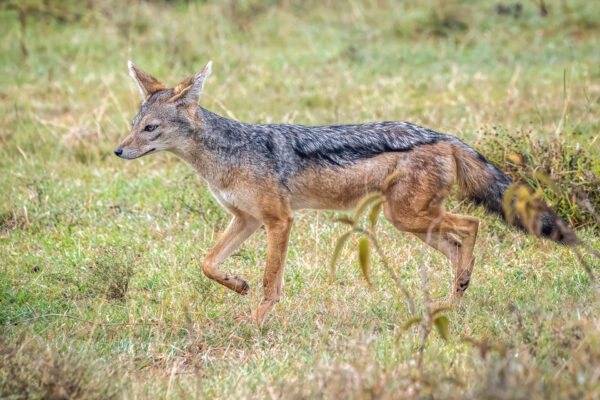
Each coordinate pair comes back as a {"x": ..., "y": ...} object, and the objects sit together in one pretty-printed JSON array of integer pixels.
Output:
[
  {"x": 438, "y": 229},
  {"x": 466, "y": 228},
  {"x": 460, "y": 253},
  {"x": 415, "y": 203},
  {"x": 240, "y": 228}
]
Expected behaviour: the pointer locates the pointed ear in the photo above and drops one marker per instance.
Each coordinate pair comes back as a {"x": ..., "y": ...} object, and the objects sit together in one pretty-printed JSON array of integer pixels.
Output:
[
  {"x": 189, "y": 89},
  {"x": 146, "y": 82}
]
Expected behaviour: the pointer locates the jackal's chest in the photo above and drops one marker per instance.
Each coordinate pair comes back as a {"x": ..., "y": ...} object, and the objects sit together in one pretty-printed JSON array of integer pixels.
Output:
[{"x": 239, "y": 198}]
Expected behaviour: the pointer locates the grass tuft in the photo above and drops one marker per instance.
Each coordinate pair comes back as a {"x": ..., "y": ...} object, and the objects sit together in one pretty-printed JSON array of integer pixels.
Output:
[
  {"x": 30, "y": 370},
  {"x": 111, "y": 271}
]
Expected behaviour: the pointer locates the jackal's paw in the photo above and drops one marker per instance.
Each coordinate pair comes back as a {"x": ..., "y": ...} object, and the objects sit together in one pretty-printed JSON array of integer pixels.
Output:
[
  {"x": 239, "y": 285},
  {"x": 244, "y": 287},
  {"x": 256, "y": 317}
]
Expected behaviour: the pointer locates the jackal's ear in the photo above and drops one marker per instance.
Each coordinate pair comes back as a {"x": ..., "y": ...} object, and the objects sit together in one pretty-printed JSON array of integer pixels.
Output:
[
  {"x": 146, "y": 82},
  {"x": 189, "y": 89}
]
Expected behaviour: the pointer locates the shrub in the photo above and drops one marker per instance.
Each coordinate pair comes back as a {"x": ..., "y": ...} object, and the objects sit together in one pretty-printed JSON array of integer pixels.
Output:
[{"x": 574, "y": 190}]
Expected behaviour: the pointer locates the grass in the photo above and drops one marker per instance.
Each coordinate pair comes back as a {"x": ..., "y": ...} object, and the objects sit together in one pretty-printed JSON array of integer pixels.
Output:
[{"x": 99, "y": 258}]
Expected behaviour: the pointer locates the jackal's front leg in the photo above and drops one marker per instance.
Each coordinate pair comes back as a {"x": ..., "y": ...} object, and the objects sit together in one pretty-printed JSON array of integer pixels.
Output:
[
  {"x": 278, "y": 233},
  {"x": 240, "y": 228}
]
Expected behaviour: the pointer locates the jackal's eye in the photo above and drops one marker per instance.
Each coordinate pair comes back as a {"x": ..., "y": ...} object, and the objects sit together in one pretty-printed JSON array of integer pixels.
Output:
[{"x": 150, "y": 128}]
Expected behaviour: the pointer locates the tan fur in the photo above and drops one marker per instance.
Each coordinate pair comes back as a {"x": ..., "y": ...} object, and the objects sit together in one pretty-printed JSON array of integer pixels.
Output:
[
  {"x": 254, "y": 196},
  {"x": 342, "y": 188},
  {"x": 277, "y": 217},
  {"x": 413, "y": 203},
  {"x": 241, "y": 227},
  {"x": 261, "y": 204}
]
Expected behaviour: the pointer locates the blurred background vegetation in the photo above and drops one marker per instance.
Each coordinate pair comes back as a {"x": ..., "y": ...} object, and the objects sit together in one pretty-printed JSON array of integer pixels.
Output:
[
  {"x": 116, "y": 245},
  {"x": 315, "y": 59}
]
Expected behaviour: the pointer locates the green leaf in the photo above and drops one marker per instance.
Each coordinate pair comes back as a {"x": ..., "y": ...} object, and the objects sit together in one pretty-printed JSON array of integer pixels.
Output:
[
  {"x": 411, "y": 322},
  {"x": 374, "y": 213},
  {"x": 337, "y": 250},
  {"x": 441, "y": 323},
  {"x": 363, "y": 204},
  {"x": 364, "y": 257}
]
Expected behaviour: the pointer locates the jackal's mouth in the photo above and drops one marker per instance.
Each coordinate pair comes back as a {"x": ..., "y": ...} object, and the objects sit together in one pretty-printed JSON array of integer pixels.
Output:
[{"x": 148, "y": 152}]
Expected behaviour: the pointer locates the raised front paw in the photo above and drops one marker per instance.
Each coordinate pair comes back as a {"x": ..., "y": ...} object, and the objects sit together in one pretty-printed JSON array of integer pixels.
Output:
[{"x": 237, "y": 284}]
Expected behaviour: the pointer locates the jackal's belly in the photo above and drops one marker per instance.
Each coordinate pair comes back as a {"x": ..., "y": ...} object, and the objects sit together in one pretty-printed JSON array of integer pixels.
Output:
[{"x": 340, "y": 188}]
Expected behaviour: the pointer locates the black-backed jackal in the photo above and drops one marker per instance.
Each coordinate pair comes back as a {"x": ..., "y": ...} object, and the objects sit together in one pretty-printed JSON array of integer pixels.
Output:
[{"x": 261, "y": 173}]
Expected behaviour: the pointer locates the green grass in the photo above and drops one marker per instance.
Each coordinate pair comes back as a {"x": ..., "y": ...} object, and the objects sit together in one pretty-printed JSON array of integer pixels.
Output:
[{"x": 73, "y": 217}]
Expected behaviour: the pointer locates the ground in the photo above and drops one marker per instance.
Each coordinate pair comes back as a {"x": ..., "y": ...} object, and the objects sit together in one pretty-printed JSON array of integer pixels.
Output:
[{"x": 101, "y": 290}]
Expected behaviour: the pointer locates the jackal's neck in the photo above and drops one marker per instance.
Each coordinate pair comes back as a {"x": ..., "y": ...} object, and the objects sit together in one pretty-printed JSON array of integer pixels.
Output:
[
  {"x": 210, "y": 148},
  {"x": 217, "y": 124}
]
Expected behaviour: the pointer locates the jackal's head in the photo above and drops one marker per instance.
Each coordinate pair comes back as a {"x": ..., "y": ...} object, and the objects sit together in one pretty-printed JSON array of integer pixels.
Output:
[{"x": 166, "y": 117}]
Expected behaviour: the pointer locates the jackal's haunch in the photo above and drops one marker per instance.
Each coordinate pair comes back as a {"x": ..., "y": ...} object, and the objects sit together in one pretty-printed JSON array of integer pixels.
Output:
[{"x": 261, "y": 173}]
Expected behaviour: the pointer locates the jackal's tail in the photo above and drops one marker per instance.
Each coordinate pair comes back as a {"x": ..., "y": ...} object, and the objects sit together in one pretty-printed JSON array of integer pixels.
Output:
[{"x": 485, "y": 184}]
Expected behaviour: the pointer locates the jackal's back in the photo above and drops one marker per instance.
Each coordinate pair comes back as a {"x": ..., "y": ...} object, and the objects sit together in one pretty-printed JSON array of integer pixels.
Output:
[{"x": 291, "y": 149}]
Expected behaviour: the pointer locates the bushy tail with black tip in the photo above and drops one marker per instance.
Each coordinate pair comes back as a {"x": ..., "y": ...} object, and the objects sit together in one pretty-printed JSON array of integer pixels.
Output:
[{"x": 484, "y": 183}]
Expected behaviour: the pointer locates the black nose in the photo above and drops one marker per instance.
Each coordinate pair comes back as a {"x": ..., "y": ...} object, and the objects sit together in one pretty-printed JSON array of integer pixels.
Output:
[{"x": 119, "y": 151}]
